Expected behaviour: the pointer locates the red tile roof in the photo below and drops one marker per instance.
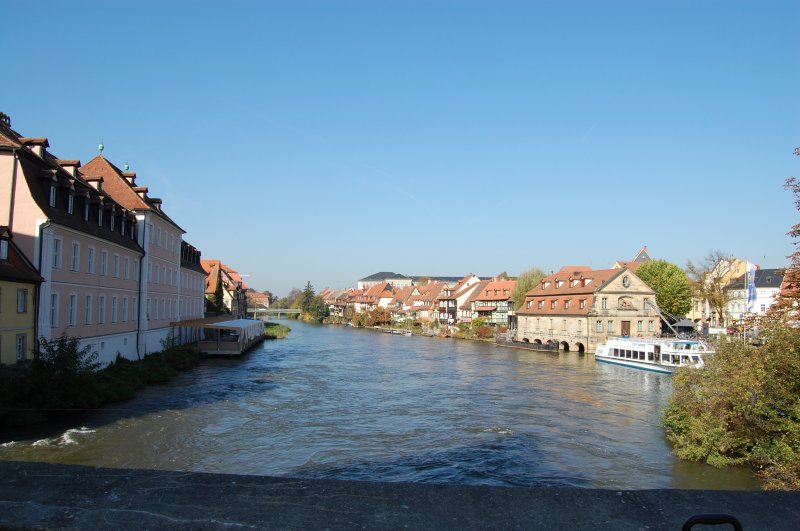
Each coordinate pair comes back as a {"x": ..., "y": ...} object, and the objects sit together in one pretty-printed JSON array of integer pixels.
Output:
[{"x": 569, "y": 284}]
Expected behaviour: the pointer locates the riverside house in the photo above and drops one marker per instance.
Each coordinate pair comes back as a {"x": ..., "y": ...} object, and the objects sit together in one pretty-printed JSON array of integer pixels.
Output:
[
  {"x": 224, "y": 279},
  {"x": 160, "y": 238},
  {"x": 451, "y": 298},
  {"x": 578, "y": 307},
  {"x": 82, "y": 242},
  {"x": 19, "y": 283},
  {"x": 491, "y": 301}
]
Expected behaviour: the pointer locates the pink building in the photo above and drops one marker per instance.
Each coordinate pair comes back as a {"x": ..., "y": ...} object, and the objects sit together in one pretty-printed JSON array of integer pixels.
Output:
[
  {"x": 160, "y": 237},
  {"x": 84, "y": 244}
]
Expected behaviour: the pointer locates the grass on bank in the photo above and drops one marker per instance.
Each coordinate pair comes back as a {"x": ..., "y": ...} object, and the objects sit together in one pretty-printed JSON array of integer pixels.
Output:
[{"x": 276, "y": 330}]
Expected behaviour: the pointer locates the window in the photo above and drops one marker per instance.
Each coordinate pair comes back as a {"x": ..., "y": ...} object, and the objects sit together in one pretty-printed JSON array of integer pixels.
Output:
[
  {"x": 163, "y": 313},
  {"x": 135, "y": 310},
  {"x": 21, "y": 347},
  {"x": 582, "y": 304},
  {"x": 610, "y": 327},
  {"x": 552, "y": 305},
  {"x": 122, "y": 226},
  {"x": 529, "y": 304},
  {"x": 604, "y": 303},
  {"x": 113, "y": 217},
  {"x": 87, "y": 311},
  {"x": 136, "y": 269},
  {"x": 103, "y": 263},
  {"x": 22, "y": 300},
  {"x": 640, "y": 326},
  {"x": 75, "y": 265},
  {"x": 541, "y": 305},
  {"x": 3, "y": 249},
  {"x": 54, "y": 310},
  {"x": 150, "y": 233},
  {"x": 86, "y": 209},
  {"x": 650, "y": 326},
  {"x": 646, "y": 303},
  {"x": 101, "y": 309},
  {"x": 100, "y": 215},
  {"x": 57, "y": 253},
  {"x": 598, "y": 326},
  {"x": 52, "y": 195},
  {"x": 73, "y": 308},
  {"x": 90, "y": 260},
  {"x": 124, "y": 309},
  {"x": 114, "y": 309},
  {"x": 127, "y": 268},
  {"x": 70, "y": 203},
  {"x": 567, "y": 304},
  {"x": 158, "y": 237},
  {"x": 116, "y": 266}
]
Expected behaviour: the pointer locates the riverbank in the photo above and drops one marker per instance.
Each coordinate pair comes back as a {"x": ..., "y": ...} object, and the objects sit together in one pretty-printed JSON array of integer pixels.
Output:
[
  {"x": 38, "y": 495},
  {"x": 275, "y": 330}
]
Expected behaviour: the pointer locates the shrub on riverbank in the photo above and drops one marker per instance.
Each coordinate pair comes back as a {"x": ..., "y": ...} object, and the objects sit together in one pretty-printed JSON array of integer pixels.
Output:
[
  {"x": 743, "y": 407},
  {"x": 276, "y": 330},
  {"x": 65, "y": 379}
]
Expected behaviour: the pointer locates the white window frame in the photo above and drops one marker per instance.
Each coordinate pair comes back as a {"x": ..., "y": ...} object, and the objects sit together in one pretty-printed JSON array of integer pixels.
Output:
[
  {"x": 72, "y": 310},
  {"x": 103, "y": 263},
  {"x": 101, "y": 309},
  {"x": 20, "y": 345},
  {"x": 22, "y": 300},
  {"x": 54, "y": 310},
  {"x": 87, "y": 311},
  {"x": 127, "y": 268},
  {"x": 75, "y": 265},
  {"x": 124, "y": 309},
  {"x": 115, "y": 270},
  {"x": 3, "y": 249},
  {"x": 70, "y": 203},
  {"x": 90, "y": 260},
  {"x": 52, "y": 201},
  {"x": 57, "y": 250},
  {"x": 114, "y": 312}
]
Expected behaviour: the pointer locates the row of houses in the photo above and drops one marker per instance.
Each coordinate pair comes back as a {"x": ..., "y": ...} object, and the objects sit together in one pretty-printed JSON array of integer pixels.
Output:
[
  {"x": 575, "y": 308},
  {"x": 87, "y": 252}
]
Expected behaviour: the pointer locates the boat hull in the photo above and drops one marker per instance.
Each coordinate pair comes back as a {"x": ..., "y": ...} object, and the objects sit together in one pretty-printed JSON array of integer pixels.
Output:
[{"x": 636, "y": 365}]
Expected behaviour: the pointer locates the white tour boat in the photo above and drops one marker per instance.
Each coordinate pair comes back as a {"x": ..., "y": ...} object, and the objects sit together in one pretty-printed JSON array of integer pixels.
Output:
[{"x": 659, "y": 355}]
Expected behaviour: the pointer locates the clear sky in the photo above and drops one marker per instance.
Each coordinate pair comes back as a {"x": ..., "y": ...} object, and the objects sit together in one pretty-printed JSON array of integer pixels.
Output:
[{"x": 326, "y": 141}]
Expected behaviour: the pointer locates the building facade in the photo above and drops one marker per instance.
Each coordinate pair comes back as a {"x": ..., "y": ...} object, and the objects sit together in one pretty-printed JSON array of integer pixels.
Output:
[
  {"x": 578, "y": 308},
  {"x": 19, "y": 283}
]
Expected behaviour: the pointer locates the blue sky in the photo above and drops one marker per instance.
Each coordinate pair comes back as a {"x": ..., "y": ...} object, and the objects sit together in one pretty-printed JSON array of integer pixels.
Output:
[{"x": 325, "y": 141}]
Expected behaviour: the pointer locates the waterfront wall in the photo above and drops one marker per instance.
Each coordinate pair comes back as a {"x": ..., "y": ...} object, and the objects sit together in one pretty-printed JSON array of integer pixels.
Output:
[{"x": 37, "y": 495}]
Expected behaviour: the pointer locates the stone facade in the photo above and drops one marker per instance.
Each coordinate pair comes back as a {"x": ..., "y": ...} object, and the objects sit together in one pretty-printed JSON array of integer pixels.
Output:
[{"x": 580, "y": 308}]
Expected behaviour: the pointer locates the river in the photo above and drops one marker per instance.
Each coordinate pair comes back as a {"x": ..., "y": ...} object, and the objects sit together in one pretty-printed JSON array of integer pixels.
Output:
[{"x": 342, "y": 403}]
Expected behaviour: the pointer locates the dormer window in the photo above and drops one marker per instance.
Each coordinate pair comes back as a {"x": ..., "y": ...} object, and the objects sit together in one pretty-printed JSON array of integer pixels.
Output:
[
  {"x": 86, "y": 210},
  {"x": 3, "y": 249},
  {"x": 541, "y": 305},
  {"x": 545, "y": 284},
  {"x": 582, "y": 304},
  {"x": 552, "y": 305},
  {"x": 567, "y": 304},
  {"x": 529, "y": 303},
  {"x": 123, "y": 226},
  {"x": 113, "y": 217},
  {"x": 70, "y": 203},
  {"x": 52, "y": 195},
  {"x": 559, "y": 283},
  {"x": 100, "y": 215}
]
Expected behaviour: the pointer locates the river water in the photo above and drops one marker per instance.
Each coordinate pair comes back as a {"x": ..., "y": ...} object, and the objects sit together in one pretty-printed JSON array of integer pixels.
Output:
[{"x": 343, "y": 403}]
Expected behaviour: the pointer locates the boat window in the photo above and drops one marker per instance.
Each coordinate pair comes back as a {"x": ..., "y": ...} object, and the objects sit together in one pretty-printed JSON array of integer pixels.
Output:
[
  {"x": 650, "y": 356},
  {"x": 665, "y": 358},
  {"x": 684, "y": 359},
  {"x": 616, "y": 352},
  {"x": 696, "y": 359}
]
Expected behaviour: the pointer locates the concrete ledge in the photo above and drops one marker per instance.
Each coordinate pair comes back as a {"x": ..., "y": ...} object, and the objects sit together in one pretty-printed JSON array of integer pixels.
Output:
[{"x": 37, "y": 495}]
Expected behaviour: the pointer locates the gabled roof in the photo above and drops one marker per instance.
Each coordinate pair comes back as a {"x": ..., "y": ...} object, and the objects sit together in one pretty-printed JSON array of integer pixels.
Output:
[
  {"x": 121, "y": 189},
  {"x": 563, "y": 283},
  {"x": 383, "y": 275},
  {"x": 764, "y": 278},
  {"x": 495, "y": 291},
  {"x": 16, "y": 267},
  {"x": 642, "y": 256}
]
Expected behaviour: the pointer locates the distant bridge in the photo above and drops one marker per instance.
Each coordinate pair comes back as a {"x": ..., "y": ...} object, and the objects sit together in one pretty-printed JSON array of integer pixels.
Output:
[{"x": 260, "y": 313}]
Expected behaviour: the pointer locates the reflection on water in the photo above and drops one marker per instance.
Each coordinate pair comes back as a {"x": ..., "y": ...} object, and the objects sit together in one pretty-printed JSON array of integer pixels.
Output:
[{"x": 332, "y": 402}]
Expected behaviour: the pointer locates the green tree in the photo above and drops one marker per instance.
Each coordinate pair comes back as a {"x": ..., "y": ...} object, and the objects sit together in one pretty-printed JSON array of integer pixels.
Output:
[
  {"x": 673, "y": 292},
  {"x": 743, "y": 407},
  {"x": 307, "y": 298},
  {"x": 526, "y": 282},
  {"x": 710, "y": 277}
]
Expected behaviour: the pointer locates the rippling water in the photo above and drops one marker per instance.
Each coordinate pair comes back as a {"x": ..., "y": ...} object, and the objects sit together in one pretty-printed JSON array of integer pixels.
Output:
[{"x": 331, "y": 402}]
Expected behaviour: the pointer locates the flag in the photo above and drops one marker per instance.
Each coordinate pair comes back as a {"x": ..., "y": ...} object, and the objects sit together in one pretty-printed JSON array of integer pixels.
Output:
[{"x": 751, "y": 287}]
